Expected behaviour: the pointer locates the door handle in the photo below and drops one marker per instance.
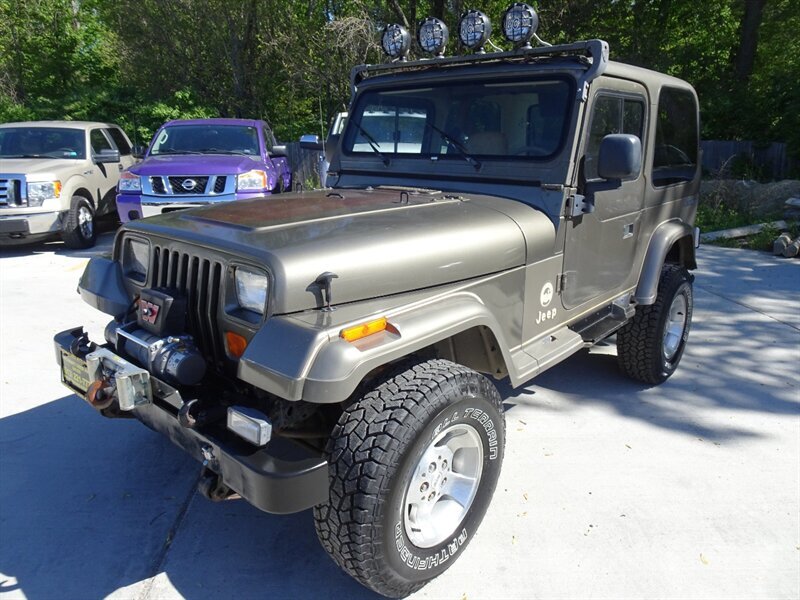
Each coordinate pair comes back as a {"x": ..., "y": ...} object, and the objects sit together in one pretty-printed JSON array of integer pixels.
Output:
[
  {"x": 627, "y": 231},
  {"x": 120, "y": 167}
]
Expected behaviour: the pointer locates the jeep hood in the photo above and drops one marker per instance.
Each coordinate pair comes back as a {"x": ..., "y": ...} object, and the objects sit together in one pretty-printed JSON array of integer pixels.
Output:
[
  {"x": 197, "y": 164},
  {"x": 377, "y": 242}
]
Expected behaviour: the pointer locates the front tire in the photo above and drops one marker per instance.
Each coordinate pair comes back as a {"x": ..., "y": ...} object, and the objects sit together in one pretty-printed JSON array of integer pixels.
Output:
[
  {"x": 650, "y": 346},
  {"x": 413, "y": 466},
  {"x": 79, "y": 227}
]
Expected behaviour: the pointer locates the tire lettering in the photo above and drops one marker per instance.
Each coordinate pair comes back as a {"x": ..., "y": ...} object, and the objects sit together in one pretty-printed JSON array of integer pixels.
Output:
[
  {"x": 434, "y": 560},
  {"x": 488, "y": 425}
]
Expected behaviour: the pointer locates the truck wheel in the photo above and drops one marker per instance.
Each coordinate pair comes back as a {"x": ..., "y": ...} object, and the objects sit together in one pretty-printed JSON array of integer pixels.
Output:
[
  {"x": 79, "y": 230},
  {"x": 413, "y": 466},
  {"x": 651, "y": 345}
]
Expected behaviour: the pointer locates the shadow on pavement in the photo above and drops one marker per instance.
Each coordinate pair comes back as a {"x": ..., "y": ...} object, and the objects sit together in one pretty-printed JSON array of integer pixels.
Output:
[
  {"x": 90, "y": 506},
  {"x": 736, "y": 359}
]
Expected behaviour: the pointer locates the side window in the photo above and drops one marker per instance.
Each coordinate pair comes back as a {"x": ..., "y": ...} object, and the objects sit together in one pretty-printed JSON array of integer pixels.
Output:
[
  {"x": 677, "y": 138},
  {"x": 611, "y": 114},
  {"x": 119, "y": 139},
  {"x": 99, "y": 141}
]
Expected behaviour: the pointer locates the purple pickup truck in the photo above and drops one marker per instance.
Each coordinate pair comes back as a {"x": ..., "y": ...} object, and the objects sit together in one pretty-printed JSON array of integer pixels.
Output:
[{"x": 196, "y": 162}]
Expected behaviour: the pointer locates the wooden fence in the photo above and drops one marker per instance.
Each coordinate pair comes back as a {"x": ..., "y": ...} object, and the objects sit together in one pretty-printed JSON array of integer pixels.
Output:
[
  {"x": 305, "y": 166},
  {"x": 765, "y": 161}
]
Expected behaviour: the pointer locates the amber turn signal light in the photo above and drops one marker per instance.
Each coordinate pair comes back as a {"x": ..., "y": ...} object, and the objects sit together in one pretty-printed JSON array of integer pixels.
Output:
[
  {"x": 351, "y": 334},
  {"x": 236, "y": 344}
]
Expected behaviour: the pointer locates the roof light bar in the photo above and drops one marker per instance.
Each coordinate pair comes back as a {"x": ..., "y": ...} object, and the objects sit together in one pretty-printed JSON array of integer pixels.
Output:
[
  {"x": 474, "y": 30},
  {"x": 396, "y": 41},
  {"x": 520, "y": 22},
  {"x": 432, "y": 36}
]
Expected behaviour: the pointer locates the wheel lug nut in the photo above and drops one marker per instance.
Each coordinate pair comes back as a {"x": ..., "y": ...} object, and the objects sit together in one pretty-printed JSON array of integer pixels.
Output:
[
  {"x": 431, "y": 496},
  {"x": 424, "y": 487},
  {"x": 431, "y": 467},
  {"x": 444, "y": 464}
]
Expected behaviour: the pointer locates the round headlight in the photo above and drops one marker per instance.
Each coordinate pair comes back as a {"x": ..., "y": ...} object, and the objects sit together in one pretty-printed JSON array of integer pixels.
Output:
[
  {"x": 520, "y": 22},
  {"x": 474, "y": 30},
  {"x": 396, "y": 41},
  {"x": 432, "y": 36}
]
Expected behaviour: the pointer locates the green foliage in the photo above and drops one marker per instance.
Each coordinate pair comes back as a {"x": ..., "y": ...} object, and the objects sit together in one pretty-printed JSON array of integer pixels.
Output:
[{"x": 140, "y": 62}]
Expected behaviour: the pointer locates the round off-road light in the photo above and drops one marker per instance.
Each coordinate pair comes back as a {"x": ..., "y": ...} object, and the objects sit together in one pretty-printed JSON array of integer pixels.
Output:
[
  {"x": 520, "y": 22},
  {"x": 432, "y": 36},
  {"x": 474, "y": 30},
  {"x": 396, "y": 41}
]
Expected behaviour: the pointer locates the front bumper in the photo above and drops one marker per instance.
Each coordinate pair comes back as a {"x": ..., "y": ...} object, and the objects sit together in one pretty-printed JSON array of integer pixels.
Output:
[
  {"x": 131, "y": 207},
  {"x": 22, "y": 225},
  {"x": 279, "y": 478}
]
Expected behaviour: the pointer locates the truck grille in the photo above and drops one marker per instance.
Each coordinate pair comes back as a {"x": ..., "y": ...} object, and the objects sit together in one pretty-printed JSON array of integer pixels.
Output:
[
  {"x": 219, "y": 184},
  {"x": 201, "y": 280},
  {"x": 195, "y": 185},
  {"x": 10, "y": 192}
]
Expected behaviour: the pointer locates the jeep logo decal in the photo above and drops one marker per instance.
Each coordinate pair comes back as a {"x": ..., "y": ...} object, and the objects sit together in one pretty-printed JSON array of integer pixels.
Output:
[{"x": 546, "y": 295}]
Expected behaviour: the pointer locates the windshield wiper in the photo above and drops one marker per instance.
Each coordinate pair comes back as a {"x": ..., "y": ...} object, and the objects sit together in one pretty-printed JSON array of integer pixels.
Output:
[
  {"x": 218, "y": 151},
  {"x": 457, "y": 145},
  {"x": 173, "y": 151},
  {"x": 372, "y": 143},
  {"x": 25, "y": 156}
]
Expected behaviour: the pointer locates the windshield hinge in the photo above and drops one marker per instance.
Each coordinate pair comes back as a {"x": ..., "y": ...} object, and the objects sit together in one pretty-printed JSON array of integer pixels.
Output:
[
  {"x": 561, "y": 282},
  {"x": 578, "y": 205}
]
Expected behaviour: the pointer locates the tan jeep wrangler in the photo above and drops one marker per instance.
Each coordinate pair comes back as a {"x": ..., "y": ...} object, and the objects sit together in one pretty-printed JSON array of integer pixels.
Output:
[
  {"x": 56, "y": 176},
  {"x": 490, "y": 215}
]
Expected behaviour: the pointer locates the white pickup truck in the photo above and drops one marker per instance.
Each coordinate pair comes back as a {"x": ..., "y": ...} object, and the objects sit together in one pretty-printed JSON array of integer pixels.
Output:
[{"x": 55, "y": 176}]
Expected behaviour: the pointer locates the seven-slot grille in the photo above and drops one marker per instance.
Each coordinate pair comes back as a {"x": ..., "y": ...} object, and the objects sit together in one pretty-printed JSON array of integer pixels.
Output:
[
  {"x": 201, "y": 280},
  {"x": 9, "y": 192}
]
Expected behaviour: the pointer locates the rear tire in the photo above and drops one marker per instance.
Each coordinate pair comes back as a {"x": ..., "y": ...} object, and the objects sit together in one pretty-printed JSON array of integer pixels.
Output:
[
  {"x": 393, "y": 522},
  {"x": 79, "y": 229},
  {"x": 650, "y": 346}
]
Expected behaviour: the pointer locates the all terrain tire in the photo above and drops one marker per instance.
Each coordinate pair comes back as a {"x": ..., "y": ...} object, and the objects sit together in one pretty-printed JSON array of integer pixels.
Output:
[
  {"x": 79, "y": 230},
  {"x": 413, "y": 466},
  {"x": 650, "y": 346}
]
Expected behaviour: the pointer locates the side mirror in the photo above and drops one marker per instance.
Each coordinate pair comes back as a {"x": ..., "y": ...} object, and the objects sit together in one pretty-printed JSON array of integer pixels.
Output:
[
  {"x": 278, "y": 150},
  {"x": 311, "y": 142},
  {"x": 107, "y": 156},
  {"x": 138, "y": 151},
  {"x": 620, "y": 156}
]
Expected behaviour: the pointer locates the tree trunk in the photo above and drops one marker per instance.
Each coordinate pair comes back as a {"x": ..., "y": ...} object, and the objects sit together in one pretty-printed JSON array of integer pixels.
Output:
[{"x": 748, "y": 40}]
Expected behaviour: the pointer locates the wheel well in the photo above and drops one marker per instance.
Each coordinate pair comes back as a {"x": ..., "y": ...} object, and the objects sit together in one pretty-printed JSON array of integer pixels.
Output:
[
  {"x": 476, "y": 348},
  {"x": 682, "y": 253},
  {"x": 85, "y": 194}
]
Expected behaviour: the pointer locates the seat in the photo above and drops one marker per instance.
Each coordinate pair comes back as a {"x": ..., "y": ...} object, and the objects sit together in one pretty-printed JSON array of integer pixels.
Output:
[{"x": 487, "y": 142}]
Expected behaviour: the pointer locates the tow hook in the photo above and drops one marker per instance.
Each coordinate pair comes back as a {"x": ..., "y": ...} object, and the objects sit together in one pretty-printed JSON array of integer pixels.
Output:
[
  {"x": 101, "y": 393},
  {"x": 211, "y": 486},
  {"x": 193, "y": 414}
]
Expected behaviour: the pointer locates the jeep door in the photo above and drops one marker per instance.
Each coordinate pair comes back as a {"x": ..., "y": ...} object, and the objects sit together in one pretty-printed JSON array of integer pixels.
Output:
[{"x": 600, "y": 246}]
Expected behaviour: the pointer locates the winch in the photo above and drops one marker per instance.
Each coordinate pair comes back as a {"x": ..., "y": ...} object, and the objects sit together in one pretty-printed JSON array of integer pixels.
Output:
[{"x": 175, "y": 359}]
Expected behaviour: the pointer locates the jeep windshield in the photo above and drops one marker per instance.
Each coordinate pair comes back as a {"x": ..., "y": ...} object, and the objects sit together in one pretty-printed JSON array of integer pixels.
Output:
[
  {"x": 206, "y": 139},
  {"x": 42, "y": 142},
  {"x": 516, "y": 119}
]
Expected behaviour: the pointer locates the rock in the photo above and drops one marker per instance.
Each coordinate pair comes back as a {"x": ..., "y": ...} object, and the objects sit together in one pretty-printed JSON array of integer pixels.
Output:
[
  {"x": 779, "y": 245},
  {"x": 792, "y": 249}
]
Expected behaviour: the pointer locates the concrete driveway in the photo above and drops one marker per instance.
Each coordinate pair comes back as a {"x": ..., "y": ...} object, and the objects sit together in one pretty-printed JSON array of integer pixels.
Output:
[{"x": 609, "y": 489}]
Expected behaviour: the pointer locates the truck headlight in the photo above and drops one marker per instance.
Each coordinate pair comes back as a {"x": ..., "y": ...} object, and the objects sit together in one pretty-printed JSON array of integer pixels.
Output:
[
  {"x": 40, "y": 191},
  {"x": 251, "y": 290},
  {"x": 136, "y": 260},
  {"x": 255, "y": 180},
  {"x": 128, "y": 182}
]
